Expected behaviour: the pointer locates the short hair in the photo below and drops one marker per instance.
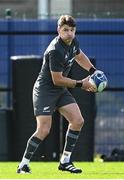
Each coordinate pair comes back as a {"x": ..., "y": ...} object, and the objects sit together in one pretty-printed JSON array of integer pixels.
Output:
[{"x": 66, "y": 19}]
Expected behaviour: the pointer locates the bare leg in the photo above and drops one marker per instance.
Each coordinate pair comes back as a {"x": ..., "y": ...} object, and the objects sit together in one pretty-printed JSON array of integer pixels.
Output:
[
  {"x": 43, "y": 128},
  {"x": 72, "y": 113}
]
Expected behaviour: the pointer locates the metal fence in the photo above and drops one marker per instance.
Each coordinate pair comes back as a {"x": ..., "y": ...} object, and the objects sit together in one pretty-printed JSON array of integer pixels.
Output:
[
  {"x": 109, "y": 123},
  {"x": 109, "y": 129}
]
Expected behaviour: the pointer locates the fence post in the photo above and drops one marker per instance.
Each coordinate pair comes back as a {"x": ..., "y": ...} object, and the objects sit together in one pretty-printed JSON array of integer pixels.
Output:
[{"x": 8, "y": 16}]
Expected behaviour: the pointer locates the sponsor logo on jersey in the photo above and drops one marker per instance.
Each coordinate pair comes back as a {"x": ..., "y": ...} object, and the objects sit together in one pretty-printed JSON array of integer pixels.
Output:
[
  {"x": 71, "y": 60},
  {"x": 66, "y": 56},
  {"x": 74, "y": 50}
]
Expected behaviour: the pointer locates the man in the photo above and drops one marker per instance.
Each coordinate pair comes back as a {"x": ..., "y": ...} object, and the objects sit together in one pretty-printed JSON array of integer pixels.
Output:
[{"x": 50, "y": 93}]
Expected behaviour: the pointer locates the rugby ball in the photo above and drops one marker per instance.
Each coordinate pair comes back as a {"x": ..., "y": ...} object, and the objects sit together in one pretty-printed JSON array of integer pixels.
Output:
[{"x": 99, "y": 80}]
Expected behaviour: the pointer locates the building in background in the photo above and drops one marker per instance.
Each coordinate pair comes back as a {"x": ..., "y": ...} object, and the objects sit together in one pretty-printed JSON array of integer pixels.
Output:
[
  {"x": 78, "y": 8},
  {"x": 98, "y": 8}
]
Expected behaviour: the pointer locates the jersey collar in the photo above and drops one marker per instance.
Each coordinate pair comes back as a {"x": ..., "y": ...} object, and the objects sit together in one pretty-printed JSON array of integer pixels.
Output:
[{"x": 64, "y": 44}]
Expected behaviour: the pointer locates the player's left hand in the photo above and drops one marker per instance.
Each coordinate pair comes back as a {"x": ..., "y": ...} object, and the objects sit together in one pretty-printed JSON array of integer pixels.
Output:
[{"x": 86, "y": 85}]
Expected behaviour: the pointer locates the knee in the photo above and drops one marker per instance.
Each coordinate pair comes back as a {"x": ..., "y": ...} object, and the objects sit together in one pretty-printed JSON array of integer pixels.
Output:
[
  {"x": 78, "y": 123},
  {"x": 42, "y": 132}
]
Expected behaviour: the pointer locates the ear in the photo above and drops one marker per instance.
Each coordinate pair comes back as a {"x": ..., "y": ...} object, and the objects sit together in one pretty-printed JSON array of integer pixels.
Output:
[{"x": 58, "y": 29}]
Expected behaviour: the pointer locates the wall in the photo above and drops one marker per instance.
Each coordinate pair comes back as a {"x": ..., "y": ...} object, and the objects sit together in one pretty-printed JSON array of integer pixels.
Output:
[{"x": 102, "y": 39}]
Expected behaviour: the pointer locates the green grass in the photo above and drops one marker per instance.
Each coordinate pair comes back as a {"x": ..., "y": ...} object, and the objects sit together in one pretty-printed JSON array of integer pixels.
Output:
[{"x": 48, "y": 170}]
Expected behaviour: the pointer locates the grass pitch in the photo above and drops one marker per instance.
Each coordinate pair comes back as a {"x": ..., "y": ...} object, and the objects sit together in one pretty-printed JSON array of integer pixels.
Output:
[{"x": 48, "y": 170}]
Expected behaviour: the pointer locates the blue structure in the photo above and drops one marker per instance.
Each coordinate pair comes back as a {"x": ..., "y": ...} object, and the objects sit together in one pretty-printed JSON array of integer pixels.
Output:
[{"x": 102, "y": 39}]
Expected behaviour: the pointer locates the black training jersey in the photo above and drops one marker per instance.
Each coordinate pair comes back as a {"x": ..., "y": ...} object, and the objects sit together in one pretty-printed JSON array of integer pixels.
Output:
[{"x": 58, "y": 57}]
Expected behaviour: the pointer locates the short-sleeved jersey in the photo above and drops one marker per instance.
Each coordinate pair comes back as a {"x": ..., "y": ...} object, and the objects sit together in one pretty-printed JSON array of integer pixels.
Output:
[{"x": 58, "y": 57}]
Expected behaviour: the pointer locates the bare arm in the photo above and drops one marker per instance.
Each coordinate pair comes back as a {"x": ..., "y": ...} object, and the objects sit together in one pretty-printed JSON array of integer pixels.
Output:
[
  {"x": 84, "y": 61},
  {"x": 60, "y": 80}
]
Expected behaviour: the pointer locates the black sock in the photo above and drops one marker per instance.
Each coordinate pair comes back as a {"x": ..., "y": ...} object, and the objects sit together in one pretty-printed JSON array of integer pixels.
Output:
[
  {"x": 32, "y": 146},
  {"x": 71, "y": 139}
]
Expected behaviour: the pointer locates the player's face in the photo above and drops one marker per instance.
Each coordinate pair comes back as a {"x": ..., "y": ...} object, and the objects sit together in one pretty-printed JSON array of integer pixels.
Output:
[{"x": 67, "y": 33}]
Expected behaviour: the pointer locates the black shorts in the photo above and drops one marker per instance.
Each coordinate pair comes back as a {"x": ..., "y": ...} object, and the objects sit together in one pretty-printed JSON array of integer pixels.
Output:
[{"x": 45, "y": 102}]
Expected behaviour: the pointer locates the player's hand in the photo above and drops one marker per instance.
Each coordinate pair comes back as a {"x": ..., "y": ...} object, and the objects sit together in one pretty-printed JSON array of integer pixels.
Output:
[
  {"x": 86, "y": 85},
  {"x": 98, "y": 71}
]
